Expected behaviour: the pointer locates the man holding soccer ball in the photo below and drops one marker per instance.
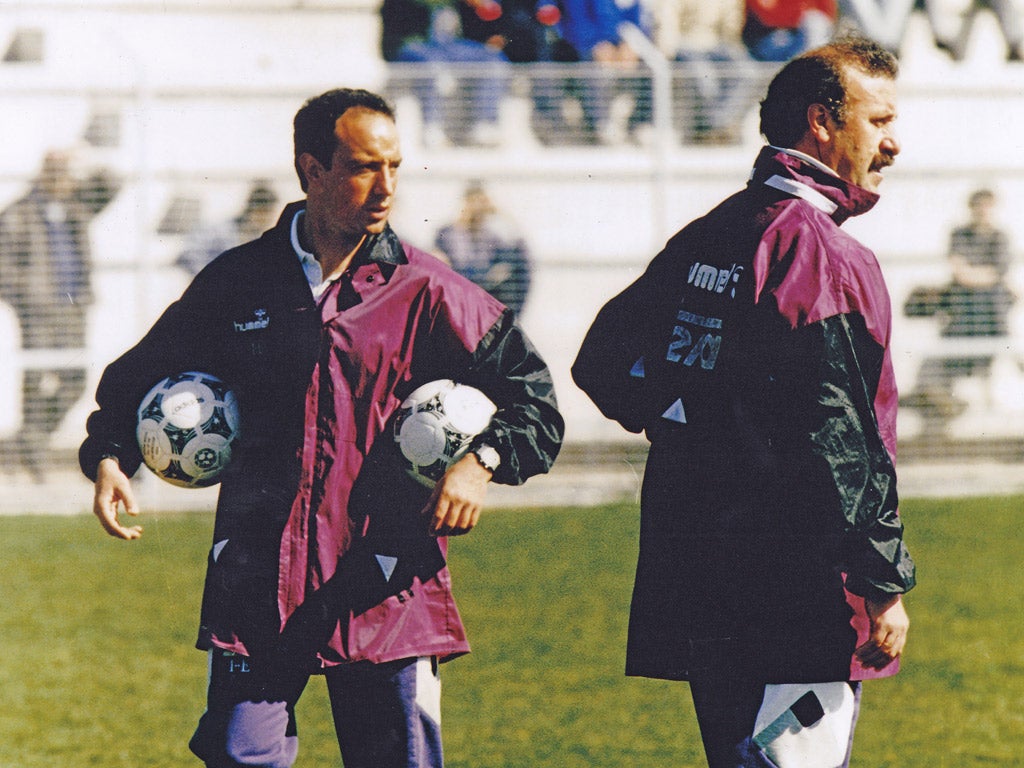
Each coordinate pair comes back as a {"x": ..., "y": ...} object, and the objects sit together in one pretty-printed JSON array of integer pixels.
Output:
[
  {"x": 754, "y": 354},
  {"x": 326, "y": 557}
]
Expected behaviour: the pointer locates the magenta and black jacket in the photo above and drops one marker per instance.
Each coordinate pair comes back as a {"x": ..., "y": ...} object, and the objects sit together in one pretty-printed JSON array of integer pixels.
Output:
[
  {"x": 754, "y": 354},
  {"x": 319, "y": 549}
]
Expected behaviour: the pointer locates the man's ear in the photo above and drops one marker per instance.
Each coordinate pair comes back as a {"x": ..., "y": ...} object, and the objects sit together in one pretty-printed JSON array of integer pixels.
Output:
[
  {"x": 819, "y": 123},
  {"x": 311, "y": 167}
]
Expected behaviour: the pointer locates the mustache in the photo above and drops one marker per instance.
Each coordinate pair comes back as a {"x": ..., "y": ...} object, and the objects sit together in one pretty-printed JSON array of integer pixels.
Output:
[{"x": 883, "y": 162}]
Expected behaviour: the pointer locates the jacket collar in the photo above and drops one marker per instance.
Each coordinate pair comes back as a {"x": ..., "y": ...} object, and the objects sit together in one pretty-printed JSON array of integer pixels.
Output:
[
  {"x": 801, "y": 176},
  {"x": 383, "y": 249}
]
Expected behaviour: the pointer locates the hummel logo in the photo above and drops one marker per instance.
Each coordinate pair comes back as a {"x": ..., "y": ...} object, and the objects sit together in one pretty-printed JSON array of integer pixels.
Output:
[
  {"x": 714, "y": 279},
  {"x": 262, "y": 321}
]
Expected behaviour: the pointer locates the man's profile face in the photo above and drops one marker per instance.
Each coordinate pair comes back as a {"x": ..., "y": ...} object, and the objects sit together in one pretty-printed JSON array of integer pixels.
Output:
[
  {"x": 355, "y": 195},
  {"x": 866, "y": 143}
]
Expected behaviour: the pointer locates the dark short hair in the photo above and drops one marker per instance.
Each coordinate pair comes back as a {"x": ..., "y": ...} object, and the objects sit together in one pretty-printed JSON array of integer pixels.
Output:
[
  {"x": 817, "y": 77},
  {"x": 315, "y": 121}
]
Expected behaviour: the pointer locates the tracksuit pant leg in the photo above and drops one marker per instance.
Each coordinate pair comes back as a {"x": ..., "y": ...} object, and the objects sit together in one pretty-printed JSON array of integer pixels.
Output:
[
  {"x": 385, "y": 715},
  {"x": 750, "y": 725}
]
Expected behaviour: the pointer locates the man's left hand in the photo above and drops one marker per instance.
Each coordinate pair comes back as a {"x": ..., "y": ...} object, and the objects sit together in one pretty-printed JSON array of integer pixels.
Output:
[{"x": 454, "y": 506}]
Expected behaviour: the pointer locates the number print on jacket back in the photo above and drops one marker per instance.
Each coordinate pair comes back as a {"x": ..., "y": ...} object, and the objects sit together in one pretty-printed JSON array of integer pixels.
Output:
[
  {"x": 705, "y": 348},
  {"x": 698, "y": 338}
]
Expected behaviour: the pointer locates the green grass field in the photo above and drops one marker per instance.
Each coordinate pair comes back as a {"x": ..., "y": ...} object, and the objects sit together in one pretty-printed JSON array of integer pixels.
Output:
[{"x": 97, "y": 666}]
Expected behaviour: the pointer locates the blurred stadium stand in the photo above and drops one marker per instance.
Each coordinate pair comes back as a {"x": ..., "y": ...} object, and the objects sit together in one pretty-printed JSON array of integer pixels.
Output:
[{"x": 186, "y": 101}]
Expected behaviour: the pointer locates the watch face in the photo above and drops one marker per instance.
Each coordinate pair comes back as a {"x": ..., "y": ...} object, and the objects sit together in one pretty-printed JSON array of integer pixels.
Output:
[{"x": 488, "y": 457}]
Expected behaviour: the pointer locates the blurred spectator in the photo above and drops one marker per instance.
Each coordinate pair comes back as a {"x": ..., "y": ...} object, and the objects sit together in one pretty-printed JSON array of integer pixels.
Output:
[
  {"x": 524, "y": 30},
  {"x": 45, "y": 268},
  {"x": 951, "y": 23},
  {"x": 429, "y": 32},
  {"x": 592, "y": 31},
  {"x": 778, "y": 30},
  {"x": 527, "y": 32},
  {"x": 975, "y": 304},
  {"x": 953, "y": 31},
  {"x": 884, "y": 21},
  {"x": 485, "y": 247},
  {"x": 258, "y": 215},
  {"x": 711, "y": 89}
]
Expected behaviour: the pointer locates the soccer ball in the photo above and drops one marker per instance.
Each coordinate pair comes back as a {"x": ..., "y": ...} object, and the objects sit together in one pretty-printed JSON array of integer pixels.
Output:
[
  {"x": 187, "y": 425},
  {"x": 435, "y": 424}
]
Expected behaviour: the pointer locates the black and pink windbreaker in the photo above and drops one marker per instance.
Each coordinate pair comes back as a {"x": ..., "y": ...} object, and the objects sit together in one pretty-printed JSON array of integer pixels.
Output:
[
  {"x": 320, "y": 552},
  {"x": 754, "y": 354}
]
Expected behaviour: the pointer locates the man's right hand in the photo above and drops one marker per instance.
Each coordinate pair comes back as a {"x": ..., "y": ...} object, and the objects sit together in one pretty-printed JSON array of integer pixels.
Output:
[
  {"x": 888, "y": 633},
  {"x": 111, "y": 490}
]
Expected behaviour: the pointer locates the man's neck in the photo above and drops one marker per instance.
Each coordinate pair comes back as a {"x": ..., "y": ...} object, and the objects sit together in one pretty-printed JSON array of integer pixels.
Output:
[{"x": 334, "y": 256}]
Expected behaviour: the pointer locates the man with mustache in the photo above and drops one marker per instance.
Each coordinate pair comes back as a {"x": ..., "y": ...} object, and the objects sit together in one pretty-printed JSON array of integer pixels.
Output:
[
  {"x": 754, "y": 354},
  {"x": 326, "y": 558}
]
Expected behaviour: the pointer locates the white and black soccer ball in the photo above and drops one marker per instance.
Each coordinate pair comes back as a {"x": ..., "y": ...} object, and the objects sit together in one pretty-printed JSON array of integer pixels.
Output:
[
  {"x": 187, "y": 426},
  {"x": 435, "y": 425}
]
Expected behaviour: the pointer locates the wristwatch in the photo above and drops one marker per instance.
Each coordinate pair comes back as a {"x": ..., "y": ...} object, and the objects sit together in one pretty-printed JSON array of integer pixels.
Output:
[{"x": 488, "y": 457}]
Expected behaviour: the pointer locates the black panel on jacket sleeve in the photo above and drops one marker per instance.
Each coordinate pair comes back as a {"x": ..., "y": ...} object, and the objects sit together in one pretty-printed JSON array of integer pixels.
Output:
[
  {"x": 602, "y": 366},
  {"x": 164, "y": 350},
  {"x": 527, "y": 429},
  {"x": 623, "y": 339},
  {"x": 848, "y": 450}
]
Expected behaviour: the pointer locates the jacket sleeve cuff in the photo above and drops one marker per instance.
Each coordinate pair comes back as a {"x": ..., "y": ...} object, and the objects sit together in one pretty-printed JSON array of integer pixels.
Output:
[
  {"x": 873, "y": 591},
  {"x": 93, "y": 452}
]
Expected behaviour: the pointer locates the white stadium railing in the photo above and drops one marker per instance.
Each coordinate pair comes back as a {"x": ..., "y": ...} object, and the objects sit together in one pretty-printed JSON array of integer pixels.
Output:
[{"x": 597, "y": 170}]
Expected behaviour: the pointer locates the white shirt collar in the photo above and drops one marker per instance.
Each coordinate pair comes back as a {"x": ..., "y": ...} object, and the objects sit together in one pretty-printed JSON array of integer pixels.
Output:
[
  {"x": 807, "y": 159},
  {"x": 310, "y": 265}
]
